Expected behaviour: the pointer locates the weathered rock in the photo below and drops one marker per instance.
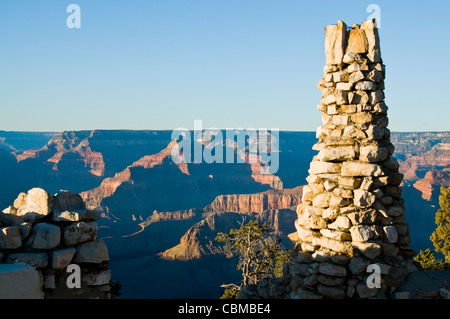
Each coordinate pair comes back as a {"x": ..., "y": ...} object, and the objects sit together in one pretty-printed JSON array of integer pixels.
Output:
[
  {"x": 335, "y": 36},
  {"x": 357, "y": 41},
  {"x": 318, "y": 167},
  {"x": 80, "y": 233},
  {"x": 373, "y": 153},
  {"x": 44, "y": 236},
  {"x": 20, "y": 282},
  {"x": 38, "y": 204},
  {"x": 10, "y": 237},
  {"x": 75, "y": 216},
  {"x": 391, "y": 234},
  {"x": 362, "y": 233},
  {"x": 332, "y": 270},
  {"x": 36, "y": 260},
  {"x": 331, "y": 292},
  {"x": 68, "y": 201},
  {"x": 337, "y": 154},
  {"x": 373, "y": 40},
  {"x": 361, "y": 169},
  {"x": 341, "y": 223},
  {"x": 94, "y": 252},
  {"x": 61, "y": 258},
  {"x": 363, "y": 198},
  {"x": 99, "y": 278}
]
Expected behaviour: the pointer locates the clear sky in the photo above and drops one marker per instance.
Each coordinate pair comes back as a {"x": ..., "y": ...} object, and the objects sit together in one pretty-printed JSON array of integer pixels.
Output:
[{"x": 161, "y": 64}]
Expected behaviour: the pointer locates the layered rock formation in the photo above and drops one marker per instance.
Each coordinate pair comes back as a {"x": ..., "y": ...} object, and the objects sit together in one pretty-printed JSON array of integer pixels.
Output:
[
  {"x": 352, "y": 211},
  {"x": 259, "y": 202},
  {"x": 48, "y": 233},
  {"x": 199, "y": 240}
]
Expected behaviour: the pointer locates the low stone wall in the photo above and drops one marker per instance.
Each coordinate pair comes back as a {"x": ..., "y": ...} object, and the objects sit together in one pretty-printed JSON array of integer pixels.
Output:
[{"x": 48, "y": 233}]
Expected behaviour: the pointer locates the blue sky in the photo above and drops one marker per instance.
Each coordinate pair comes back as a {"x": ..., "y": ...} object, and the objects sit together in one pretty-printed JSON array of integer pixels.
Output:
[{"x": 161, "y": 64}]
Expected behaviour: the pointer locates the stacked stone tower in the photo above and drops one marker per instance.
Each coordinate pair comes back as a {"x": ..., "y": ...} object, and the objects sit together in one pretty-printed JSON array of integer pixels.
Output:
[{"x": 352, "y": 212}]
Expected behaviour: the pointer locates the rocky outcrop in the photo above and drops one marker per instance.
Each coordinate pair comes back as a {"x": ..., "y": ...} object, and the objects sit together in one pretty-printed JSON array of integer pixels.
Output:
[
  {"x": 107, "y": 188},
  {"x": 48, "y": 233},
  {"x": 199, "y": 241},
  {"x": 242, "y": 203},
  {"x": 430, "y": 185}
]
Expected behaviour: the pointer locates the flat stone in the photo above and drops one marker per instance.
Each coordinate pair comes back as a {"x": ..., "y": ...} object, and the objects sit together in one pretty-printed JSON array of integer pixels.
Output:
[
  {"x": 331, "y": 292},
  {"x": 361, "y": 169},
  {"x": 62, "y": 258},
  {"x": 337, "y": 154},
  {"x": 102, "y": 277},
  {"x": 344, "y": 86},
  {"x": 18, "y": 281},
  {"x": 319, "y": 167},
  {"x": 36, "y": 260},
  {"x": 94, "y": 252},
  {"x": 336, "y": 235},
  {"x": 334, "y": 245},
  {"x": 366, "y": 86},
  {"x": 75, "y": 216}
]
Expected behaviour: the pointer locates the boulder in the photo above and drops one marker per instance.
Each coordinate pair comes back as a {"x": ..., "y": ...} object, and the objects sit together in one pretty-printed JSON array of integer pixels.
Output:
[
  {"x": 68, "y": 201},
  {"x": 38, "y": 204}
]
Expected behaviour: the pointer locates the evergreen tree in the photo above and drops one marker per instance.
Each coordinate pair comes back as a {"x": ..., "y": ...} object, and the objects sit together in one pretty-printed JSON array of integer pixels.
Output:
[{"x": 441, "y": 236}]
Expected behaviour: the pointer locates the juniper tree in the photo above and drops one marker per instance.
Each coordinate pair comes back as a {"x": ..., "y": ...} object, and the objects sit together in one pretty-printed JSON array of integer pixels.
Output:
[{"x": 441, "y": 236}]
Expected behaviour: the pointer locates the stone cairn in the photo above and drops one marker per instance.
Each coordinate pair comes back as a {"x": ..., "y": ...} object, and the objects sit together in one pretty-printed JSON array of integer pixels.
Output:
[
  {"x": 351, "y": 214},
  {"x": 46, "y": 234}
]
